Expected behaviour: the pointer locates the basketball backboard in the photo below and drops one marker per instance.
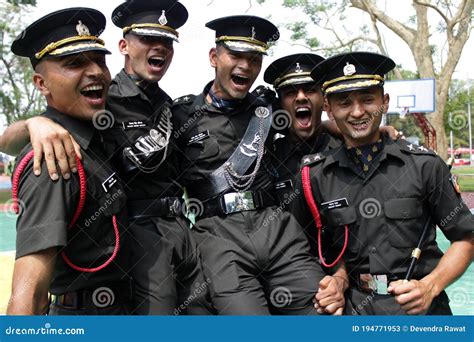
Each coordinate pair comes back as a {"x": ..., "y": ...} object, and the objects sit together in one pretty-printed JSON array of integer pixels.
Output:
[{"x": 415, "y": 96}]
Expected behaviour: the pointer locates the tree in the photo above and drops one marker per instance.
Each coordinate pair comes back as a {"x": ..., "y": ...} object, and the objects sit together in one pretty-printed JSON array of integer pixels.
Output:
[
  {"x": 19, "y": 99},
  {"x": 453, "y": 21},
  {"x": 456, "y": 113}
]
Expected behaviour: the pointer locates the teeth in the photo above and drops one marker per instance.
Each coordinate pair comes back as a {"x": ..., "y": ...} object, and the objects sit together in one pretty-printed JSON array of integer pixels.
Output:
[
  {"x": 93, "y": 87},
  {"x": 302, "y": 110},
  {"x": 242, "y": 77},
  {"x": 159, "y": 59},
  {"x": 359, "y": 122}
]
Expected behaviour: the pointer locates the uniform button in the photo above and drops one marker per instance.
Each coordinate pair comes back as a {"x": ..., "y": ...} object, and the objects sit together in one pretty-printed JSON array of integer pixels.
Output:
[{"x": 373, "y": 249}]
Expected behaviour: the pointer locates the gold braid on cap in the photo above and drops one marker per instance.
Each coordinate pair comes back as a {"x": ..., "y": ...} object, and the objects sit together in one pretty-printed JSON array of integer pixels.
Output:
[
  {"x": 144, "y": 25},
  {"x": 294, "y": 74},
  {"x": 345, "y": 78},
  {"x": 242, "y": 39},
  {"x": 361, "y": 84},
  {"x": 54, "y": 45}
]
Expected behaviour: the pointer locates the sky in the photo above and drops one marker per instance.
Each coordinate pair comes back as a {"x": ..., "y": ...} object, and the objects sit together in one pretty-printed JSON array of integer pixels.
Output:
[{"x": 190, "y": 69}]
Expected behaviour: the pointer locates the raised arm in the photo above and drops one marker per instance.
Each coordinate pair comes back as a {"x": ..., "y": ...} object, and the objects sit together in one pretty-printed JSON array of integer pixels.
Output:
[{"x": 48, "y": 139}]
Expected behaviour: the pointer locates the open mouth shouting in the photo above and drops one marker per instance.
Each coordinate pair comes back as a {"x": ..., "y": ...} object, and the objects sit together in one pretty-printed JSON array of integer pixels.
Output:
[
  {"x": 94, "y": 94},
  {"x": 240, "y": 82},
  {"x": 303, "y": 116},
  {"x": 156, "y": 63}
]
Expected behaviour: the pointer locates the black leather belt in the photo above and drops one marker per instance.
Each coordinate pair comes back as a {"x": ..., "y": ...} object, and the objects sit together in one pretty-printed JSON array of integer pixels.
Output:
[
  {"x": 234, "y": 202},
  {"x": 160, "y": 207},
  {"x": 100, "y": 297}
]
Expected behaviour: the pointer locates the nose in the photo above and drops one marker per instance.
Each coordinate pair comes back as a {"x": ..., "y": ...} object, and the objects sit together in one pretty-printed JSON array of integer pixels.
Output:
[
  {"x": 94, "y": 69},
  {"x": 301, "y": 96},
  {"x": 358, "y": 109}
]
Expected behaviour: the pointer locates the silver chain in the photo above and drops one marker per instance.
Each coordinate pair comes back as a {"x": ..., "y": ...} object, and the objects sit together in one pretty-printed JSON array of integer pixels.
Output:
[
  {"x": 165, "y": 127},
  {"x": 240, "y": 183}
]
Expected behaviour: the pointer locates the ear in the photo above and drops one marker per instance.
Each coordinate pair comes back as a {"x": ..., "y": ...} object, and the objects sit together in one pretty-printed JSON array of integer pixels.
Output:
[
  {"x": 123, "y": 46},
  {"x": 386, "y": 101},
  {"x": 327, "y": 108},
  {"x": 41, "y": 84},
  {"x": 213, "y": 57}
]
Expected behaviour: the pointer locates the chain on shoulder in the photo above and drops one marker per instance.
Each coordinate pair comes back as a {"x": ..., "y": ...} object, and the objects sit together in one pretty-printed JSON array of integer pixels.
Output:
[{"x": 243, "y": 182}]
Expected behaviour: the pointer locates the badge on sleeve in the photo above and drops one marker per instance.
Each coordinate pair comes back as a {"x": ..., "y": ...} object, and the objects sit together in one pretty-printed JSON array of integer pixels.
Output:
[{"x": 454, "y": 182}]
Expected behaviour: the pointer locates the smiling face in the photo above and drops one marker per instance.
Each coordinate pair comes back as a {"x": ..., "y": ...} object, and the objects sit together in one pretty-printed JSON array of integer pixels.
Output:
[
  {"x": 147, "y": 57},
  {"x": 304, "y": 102},
  {"x": 75, "y": 85},
  {"x": 358, "y": 114},
  {"x": 235, "y": 71}
]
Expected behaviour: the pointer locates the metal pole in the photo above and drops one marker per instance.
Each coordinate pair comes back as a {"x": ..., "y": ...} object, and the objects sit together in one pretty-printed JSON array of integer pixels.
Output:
[
  {"x": 451, "y": 143},
  {"x": 469, "y": 119}
]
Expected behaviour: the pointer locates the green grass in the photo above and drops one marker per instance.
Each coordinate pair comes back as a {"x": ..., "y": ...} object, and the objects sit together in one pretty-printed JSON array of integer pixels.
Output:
[
  {"x": 5, "y": 195},
  {"x": 465, "y": 177}
]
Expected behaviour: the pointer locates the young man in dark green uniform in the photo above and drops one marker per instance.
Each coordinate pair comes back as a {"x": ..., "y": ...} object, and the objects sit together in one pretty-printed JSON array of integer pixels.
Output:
[
  {"x": 379, "y": 193},
  {"x": 297, "y": 116},
  {"x": 139, "y": 138},
  {"x": 298, "y": 131},
  {"x": 258, "y": 261},
  {"x": 82, "y": 264},
  {"x": 166, "y": 267}
]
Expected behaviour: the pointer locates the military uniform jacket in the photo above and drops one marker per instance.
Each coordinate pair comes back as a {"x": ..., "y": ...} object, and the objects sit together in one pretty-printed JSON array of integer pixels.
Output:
[
  {"x": 386, "y": 209},
  {"x": 288, "y": 154},
  {"x": 207, "y": 137},
  {"x": 134, "y": 115},
  {"x": 48, "y": 208}
]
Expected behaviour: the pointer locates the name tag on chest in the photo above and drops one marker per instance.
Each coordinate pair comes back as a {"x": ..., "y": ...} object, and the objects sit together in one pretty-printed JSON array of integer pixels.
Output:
[
  {"x": 198, "y": 137},
  {"x": 133, "y": 124},
  {"x": 334, "y": 204}
]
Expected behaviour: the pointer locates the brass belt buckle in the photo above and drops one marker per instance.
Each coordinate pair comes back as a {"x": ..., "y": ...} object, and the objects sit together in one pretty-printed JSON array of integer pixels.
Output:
[{"x": 238, "y": 201}]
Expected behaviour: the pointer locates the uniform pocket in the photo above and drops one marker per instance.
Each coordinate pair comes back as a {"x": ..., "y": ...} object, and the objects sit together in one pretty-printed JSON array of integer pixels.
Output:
[
  {"x": 336, "y": 220},
  {"x": 403, "y": 221},
  {"x": 204, "y": 149}
]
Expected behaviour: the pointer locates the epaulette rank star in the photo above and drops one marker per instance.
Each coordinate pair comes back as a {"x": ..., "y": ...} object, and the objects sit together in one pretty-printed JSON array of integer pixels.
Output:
[
  {"x": 312, "y": 159},
  {"x": 183, "y": 100},
  {"x": 417, "y": 149}
]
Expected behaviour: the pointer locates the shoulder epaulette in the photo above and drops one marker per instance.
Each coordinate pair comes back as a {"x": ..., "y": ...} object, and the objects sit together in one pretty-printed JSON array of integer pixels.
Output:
[
  {"x": 411, "y": 148},
  {"x": 183, "y": 100},
  {"x": 312, "y": 159}
]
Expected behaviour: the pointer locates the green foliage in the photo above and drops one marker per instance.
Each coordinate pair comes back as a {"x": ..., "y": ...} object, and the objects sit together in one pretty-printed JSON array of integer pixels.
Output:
[
  {"x": 456, "y": 112},
  {"x": 19, "y": 99},
  {"x": 22, "y": 2}
]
